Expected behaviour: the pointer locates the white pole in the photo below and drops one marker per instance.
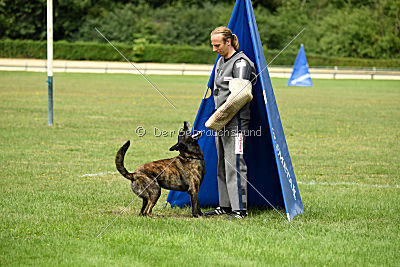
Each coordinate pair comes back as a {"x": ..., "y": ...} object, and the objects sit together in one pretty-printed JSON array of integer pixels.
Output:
[{"x": 50, "y": 58}]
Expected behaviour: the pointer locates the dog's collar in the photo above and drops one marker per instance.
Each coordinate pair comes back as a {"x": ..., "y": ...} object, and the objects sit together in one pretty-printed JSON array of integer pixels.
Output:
[{"x": 185, "y": 157}]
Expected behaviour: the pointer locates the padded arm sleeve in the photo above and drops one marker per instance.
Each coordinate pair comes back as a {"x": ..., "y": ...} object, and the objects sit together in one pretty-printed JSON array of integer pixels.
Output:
[{"x": 240, "y": 95}]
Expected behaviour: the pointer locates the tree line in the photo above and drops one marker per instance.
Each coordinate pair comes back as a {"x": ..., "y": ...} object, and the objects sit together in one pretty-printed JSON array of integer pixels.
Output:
[{"x": 340, "y": 28}]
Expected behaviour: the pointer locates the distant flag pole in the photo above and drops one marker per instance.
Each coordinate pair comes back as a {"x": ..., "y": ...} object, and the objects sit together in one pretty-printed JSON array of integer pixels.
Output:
[{"x": 50, "y": 58}]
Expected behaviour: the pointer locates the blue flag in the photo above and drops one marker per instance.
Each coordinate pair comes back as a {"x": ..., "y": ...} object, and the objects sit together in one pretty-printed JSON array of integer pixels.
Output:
[
  {"x": 300, "y": 75},
  {"x": 270, "y": 175}
]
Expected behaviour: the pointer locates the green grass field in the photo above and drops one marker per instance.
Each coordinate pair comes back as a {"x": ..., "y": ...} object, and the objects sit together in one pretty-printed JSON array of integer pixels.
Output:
[{"x": 343, "y": 136}]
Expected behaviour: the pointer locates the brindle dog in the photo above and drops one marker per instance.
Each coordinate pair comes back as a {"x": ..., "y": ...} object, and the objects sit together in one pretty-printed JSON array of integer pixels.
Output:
[{"x": 182, "y": 173}]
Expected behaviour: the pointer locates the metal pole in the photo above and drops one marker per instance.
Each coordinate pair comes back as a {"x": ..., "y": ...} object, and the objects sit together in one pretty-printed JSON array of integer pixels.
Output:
[{"x": 50, "y": 58}]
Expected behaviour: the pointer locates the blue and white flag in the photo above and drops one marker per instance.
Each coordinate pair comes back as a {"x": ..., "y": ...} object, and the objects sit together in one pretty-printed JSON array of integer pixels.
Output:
[{"x": 300, "y": 75}]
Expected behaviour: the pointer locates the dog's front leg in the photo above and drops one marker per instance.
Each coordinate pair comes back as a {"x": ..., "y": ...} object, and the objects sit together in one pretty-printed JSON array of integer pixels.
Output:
[{"x": 194, "y": 199}]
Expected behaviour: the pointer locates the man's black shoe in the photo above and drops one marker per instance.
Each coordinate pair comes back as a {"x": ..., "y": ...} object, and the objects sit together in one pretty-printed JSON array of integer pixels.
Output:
[
  {"x": 237, "y": 214},
  {"x": 217, "y": 211}
]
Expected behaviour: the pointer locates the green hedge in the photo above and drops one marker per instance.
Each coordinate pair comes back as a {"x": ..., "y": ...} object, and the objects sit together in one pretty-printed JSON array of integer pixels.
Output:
[
  {"x": 62, "y": 50},
  {"x": 287, "y": 58},
  {"x": 314, "y": 60},
  {"x": 97, "y": 51},
  {"x": 164, "y": 54},
  {"x": 178, "y": 54}
]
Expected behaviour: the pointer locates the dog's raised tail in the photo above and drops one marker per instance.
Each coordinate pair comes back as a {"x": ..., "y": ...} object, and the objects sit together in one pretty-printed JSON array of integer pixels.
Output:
[{"x": 119, "y": 160}]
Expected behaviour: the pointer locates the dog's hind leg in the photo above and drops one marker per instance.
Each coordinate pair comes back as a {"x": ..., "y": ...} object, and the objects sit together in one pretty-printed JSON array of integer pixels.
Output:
[
  {"x": 154, "y": 196},
  {"x": 145, "y": 201}
]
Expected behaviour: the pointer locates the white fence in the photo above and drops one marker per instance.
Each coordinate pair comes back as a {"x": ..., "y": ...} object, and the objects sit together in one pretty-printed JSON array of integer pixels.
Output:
[{"x": 185, "y": 69}]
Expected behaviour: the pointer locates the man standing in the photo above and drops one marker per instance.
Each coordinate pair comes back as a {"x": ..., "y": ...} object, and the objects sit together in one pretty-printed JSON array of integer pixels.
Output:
[{"x": 232, "y": 169}]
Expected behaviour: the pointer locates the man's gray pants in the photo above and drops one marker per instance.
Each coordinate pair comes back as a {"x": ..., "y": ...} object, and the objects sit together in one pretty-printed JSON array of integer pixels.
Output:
[{"x": 232, "y": 169}]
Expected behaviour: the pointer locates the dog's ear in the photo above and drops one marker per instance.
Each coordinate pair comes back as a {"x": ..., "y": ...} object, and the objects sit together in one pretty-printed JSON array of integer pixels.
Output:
[
  {"x": 178, "y": 147},
  {"x": 197, "y": 135},
  {"x": 174, "y": 147},
  {"x": 186, "y": 126}
]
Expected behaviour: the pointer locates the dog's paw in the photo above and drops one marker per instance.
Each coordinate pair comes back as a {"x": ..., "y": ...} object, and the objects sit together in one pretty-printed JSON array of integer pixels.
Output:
[{"x": 197, "y": 215}]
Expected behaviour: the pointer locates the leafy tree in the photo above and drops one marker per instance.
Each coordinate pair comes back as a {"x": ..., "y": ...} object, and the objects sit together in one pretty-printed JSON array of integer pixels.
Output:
[
  {"x": 23, "y": 19},
  {"x": 360, "y": 32},
  {"x": 118, "y": 24},
  {"x": 345, "y": 28},
  {"x": 170, "y": 25},
  {"x": 191, "y": 25}
]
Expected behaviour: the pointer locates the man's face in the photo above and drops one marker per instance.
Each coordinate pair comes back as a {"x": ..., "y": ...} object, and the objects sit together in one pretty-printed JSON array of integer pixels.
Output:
[{"x": 219, "y": 45}]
